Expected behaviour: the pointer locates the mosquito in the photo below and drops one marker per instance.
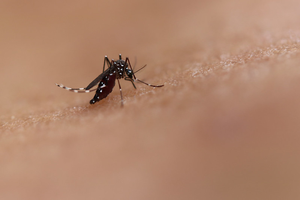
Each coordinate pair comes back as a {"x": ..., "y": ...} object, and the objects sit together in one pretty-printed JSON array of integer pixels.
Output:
[{"x": 116, "y": 70}]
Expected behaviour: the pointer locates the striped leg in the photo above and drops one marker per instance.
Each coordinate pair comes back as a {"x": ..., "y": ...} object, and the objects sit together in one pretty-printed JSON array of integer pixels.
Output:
[
  {"x": 148, "y": 83},
  {"x": 76, "y": 90}
]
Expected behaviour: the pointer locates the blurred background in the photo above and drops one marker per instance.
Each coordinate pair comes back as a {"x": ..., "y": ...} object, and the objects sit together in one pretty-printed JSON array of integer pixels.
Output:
[
  {"x": 40, "y": 41},
  {"x": 224, "y": 126}
]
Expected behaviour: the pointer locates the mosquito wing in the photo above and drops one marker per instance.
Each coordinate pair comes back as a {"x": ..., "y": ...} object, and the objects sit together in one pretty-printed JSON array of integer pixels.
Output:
[{"x": 97, "y": 80}]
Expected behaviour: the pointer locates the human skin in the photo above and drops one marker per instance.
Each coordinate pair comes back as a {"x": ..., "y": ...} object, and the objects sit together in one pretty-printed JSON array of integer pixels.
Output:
[{"x": 224, "y": 126}]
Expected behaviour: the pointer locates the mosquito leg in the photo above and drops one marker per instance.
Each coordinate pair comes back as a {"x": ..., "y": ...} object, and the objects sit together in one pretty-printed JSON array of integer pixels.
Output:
[
  {"x": 127, "y": 61},
  {"x": 149, "y": 84},
  {"x": 76, "y": 90},
  {"x": 120, "y": 93},
  {"x": 108, "y": 62},
  {"x": 129, "y": 79}
]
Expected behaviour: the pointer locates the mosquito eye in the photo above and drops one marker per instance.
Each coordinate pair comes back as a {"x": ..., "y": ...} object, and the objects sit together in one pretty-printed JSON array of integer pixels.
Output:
[{"x": 129, "y": 73}]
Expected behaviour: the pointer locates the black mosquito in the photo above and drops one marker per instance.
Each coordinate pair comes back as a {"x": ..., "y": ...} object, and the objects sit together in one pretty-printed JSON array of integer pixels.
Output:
[{"x": 116, "y": 70}]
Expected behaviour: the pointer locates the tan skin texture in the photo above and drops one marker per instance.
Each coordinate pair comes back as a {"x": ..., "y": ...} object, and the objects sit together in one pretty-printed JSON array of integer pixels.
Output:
[{"x": 224, "y": 126}]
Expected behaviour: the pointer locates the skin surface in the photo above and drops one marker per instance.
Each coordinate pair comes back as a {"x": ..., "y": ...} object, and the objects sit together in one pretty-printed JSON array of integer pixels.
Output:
[{"x": 224, "y": 126}]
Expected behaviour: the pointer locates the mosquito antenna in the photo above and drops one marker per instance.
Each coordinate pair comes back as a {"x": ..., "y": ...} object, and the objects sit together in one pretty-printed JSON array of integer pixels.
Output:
[
  {"x": 135, "y": 61},
  {"x": 140, "y": 69}
]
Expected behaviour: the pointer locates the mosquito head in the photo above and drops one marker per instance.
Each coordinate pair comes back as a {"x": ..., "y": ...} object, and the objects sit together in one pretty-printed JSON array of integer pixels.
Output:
[{"x": 129, "y": 73}]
